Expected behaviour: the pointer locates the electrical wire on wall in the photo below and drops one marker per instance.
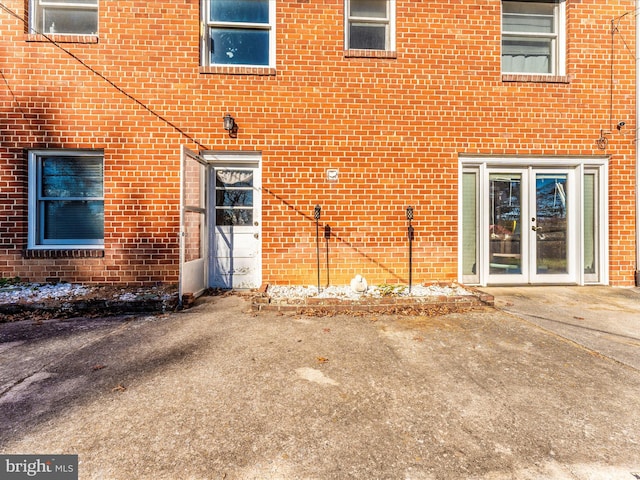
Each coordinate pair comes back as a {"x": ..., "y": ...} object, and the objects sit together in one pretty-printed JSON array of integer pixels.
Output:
[
  {"x": 615, "y": 29},
  {"x": 100, "y": 75}
]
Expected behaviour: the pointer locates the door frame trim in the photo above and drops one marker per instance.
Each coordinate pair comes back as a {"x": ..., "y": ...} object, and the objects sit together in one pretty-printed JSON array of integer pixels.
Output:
[
  {"x": 230, "y": 159},
  {"x": 600, "y": 164}
]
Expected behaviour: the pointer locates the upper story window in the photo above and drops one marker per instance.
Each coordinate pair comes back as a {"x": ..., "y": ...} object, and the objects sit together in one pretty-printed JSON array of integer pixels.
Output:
[
  {"x": 533, "y": 37},
  {"x": 239, "y": 32},
  {"x": 65, "y": 17},
  {"x": 66, "y": 199},
  {"x": 370, "y": 25}
]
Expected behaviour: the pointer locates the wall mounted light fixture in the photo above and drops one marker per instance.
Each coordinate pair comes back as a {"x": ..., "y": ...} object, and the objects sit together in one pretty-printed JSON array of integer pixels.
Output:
[{"x": 230, "y": 125}]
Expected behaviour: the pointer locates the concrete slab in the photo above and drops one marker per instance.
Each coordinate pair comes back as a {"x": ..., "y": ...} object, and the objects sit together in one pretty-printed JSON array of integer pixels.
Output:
[
  {"x": 603, "y": 319},
  {"x": 219, "y": 391}
]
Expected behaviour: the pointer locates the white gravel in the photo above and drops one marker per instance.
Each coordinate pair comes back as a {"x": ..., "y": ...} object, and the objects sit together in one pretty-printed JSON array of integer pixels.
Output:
[{"x": 375, "y": 291}]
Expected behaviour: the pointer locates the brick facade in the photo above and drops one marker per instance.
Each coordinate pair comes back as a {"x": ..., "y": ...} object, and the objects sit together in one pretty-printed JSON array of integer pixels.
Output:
[{"x": 393, "y": 124}]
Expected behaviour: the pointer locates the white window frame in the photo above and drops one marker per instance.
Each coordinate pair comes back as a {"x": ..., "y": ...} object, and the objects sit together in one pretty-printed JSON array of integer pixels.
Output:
[
  {"x": 36, "y": 223},
  {"x": 389, "y": 22},
  {"x": 558, "y": 38},
  {"x": 205, "y": 35},
  {"x": 36, "y": 8}
]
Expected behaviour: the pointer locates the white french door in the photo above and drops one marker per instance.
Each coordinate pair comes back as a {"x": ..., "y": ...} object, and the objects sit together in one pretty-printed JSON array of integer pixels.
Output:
[
  {"x": 531, "y": 225},
  {"x": 533, "y": 220}
]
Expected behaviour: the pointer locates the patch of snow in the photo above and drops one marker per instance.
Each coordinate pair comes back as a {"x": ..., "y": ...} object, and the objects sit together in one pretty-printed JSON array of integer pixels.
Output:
[
  {"x": 34, "y": 292},
  {"x": 127, "y": 297}
]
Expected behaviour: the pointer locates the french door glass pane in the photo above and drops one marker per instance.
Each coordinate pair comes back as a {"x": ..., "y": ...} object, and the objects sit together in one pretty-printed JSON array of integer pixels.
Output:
[
  {"x": 237, "y": 46},
  {"x": 551, "y": 224},
  {"x": 505, "y": 193},
  {"x": 469, "y": 223},
  {"x": 589, "y": 225},
  {"x": 246, "y": 11}
]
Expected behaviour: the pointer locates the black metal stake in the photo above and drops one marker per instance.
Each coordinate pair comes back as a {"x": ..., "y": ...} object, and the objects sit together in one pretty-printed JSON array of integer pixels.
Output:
[
  {"x": 410, "y": 233},
  {"x": 327, "y": 237},
  {"x": 316, "y": 215}
]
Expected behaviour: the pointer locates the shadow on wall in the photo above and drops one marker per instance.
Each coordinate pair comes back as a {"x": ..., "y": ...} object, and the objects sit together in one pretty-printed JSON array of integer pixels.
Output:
[{"x": 326, "y": 233}]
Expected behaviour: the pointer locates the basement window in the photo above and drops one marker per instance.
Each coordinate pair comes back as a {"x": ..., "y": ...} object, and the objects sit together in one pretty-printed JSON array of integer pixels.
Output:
[{"x": 66, "y": 199}]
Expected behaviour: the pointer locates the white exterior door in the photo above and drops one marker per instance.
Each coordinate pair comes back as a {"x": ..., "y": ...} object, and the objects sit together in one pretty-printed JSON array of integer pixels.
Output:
[
  {"x": 235, "y": 259},
  {"x": 193, "y": 224}
]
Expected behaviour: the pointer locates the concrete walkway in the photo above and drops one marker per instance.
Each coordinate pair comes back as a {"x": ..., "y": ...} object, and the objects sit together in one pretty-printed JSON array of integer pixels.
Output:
[
  {"x": 219, "y": 392},
  {"x": 603, "y": 319}
]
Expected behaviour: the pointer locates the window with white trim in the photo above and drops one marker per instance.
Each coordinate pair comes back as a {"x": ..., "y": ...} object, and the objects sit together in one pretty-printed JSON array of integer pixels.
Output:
[
  {"x": 66, "y": 17},
  {"x": 533, "y": 37},
  {"x": 370, "y": 25},
  {"x": 66, "y": 199},
  {"x": 239, "y": 33}
]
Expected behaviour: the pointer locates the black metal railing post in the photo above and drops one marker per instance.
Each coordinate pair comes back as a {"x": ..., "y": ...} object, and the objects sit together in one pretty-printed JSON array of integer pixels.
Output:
[
  {"x": 410, "y": 234},
  {"x": 316, "y": 216}
]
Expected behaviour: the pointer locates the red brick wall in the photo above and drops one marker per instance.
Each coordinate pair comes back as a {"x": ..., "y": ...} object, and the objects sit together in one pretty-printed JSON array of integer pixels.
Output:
[{"x": 393, "y": 127}]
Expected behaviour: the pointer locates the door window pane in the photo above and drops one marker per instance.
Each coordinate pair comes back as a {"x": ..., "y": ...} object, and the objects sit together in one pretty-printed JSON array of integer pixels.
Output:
[
  {"x": 234, "y": 197},
  {"x": 505, "y": 193},
  {"x": 551, "y": 224}
]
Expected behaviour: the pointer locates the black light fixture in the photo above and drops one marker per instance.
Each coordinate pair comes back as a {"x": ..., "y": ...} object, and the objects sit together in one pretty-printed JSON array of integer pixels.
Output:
[{"x": 230, "y": 125}]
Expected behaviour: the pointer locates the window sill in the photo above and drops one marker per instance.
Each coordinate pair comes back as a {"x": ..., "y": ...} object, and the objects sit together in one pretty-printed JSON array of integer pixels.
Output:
[
  {"x": 237, "y": 70},
  {"x": 531, "y": 78},
  {"x": 68, "y": 253},
  {"x": 57, "y": 38},
  {"x": 354, "y": 53}
]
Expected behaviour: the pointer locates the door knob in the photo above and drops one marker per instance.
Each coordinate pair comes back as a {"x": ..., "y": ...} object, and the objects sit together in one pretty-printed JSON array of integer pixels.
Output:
[
  {"x": 255, "y": 235},
  {"x": 535, "y": 229}
]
